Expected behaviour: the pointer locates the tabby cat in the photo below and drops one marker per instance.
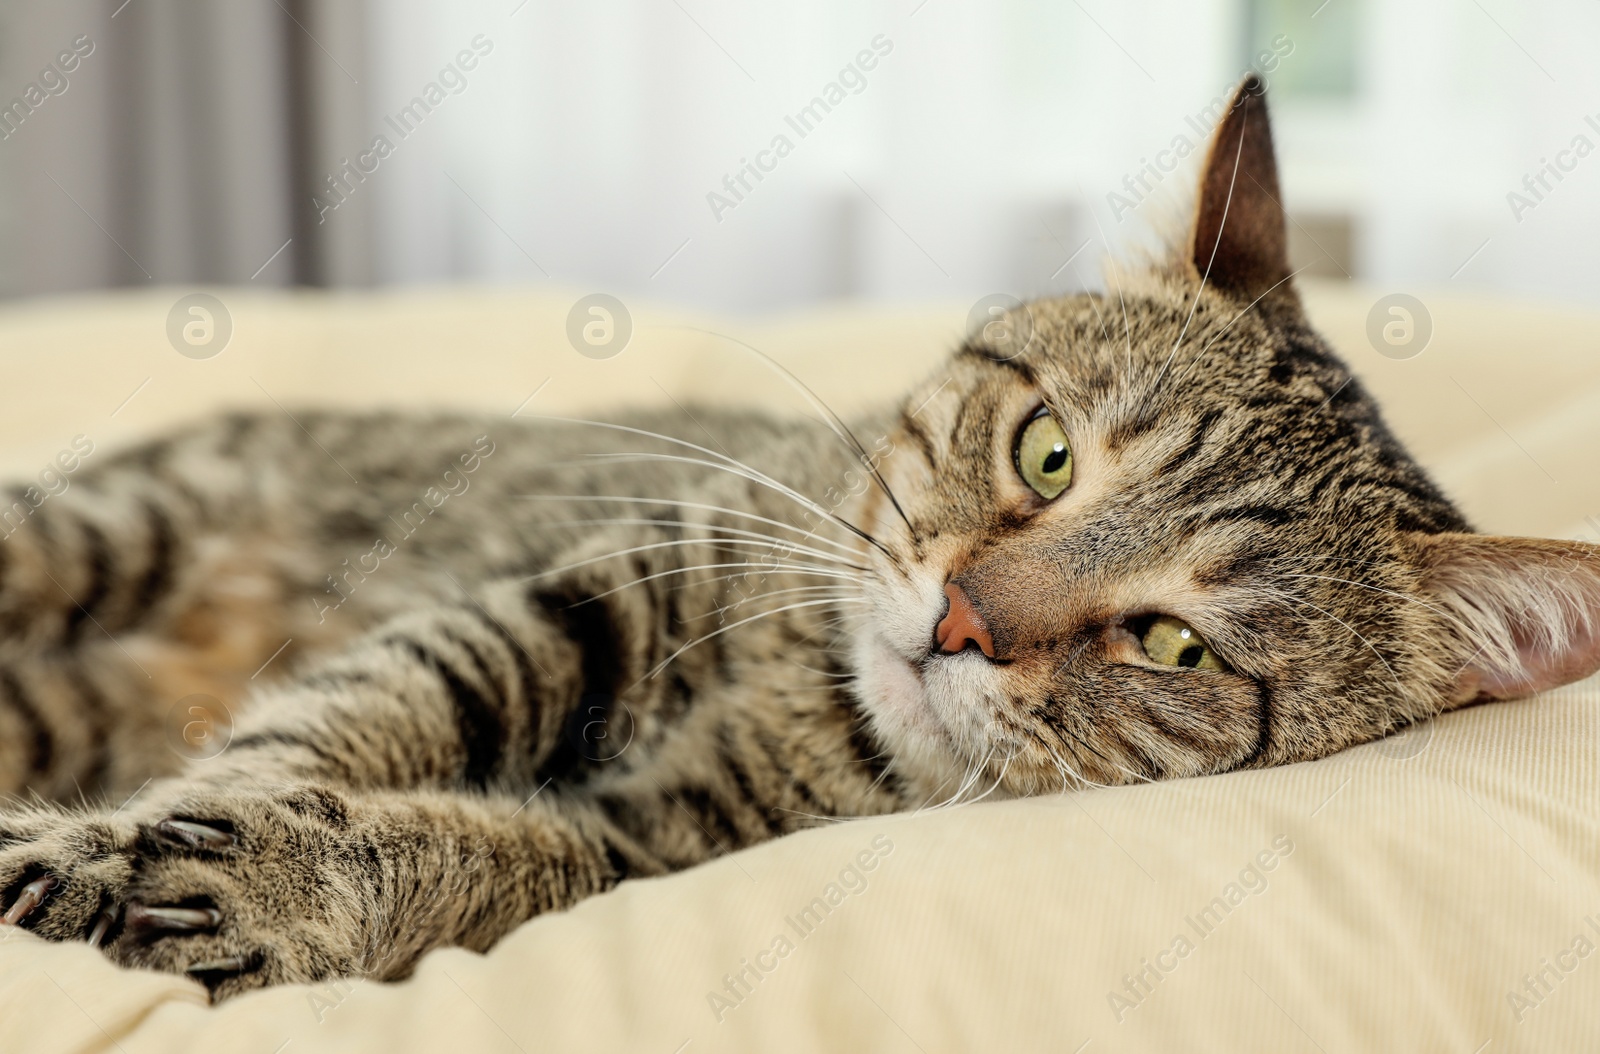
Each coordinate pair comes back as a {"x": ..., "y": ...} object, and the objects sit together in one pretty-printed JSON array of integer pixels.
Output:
[{"x": 1169, "y": 536}]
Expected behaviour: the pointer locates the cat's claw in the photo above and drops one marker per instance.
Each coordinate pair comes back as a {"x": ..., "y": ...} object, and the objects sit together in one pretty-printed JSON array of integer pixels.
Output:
[
  {"x": 32, "y": 895},
  {"x": 102, "y": 925},
  {"x": 188, "y": 834},
  {"x": 145, "y": 919},
  {"x": 229, "y": 964}
]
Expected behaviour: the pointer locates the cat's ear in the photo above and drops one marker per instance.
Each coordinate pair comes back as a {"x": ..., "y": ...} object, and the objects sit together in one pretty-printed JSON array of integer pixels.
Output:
[
  {"x": 1527, "y": 610},
  {"x": 1238, "y": 242}
]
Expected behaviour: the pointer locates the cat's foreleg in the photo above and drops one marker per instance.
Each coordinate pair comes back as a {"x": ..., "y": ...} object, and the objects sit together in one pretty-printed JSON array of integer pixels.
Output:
[
  {"x": 299, "y": 850},
  {"x": 248, "y": 887}
]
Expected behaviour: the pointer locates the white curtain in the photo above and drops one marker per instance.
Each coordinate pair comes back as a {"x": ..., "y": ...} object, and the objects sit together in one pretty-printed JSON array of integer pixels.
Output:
[
  {"x": 577, "y": 142},
  {"x": 590, "y": 140},
  {"x": 170, "y": 141}
]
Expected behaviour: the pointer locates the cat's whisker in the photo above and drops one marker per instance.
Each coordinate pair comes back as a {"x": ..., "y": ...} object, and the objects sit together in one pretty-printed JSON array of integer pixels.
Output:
[
  {"x": 961, "y": 784},
  {"x": 803, "y": 532},
  {"x": 823, "y": 627},
  {"x": 972, "y": 777},
  {"x": 718, "y": 543},
  {"x": 833, "y": 421},
  {"x": 655, "y": 671},
  {"x": 844, "y": 588},
  {"x": 1451, "y": 617},
  {"x": 767, "y": 566},
  {"x": 732, "y": 469},
  {"x": 1066, "y": 780},
  {"x": 818, "y": 592},
  {"x": 1222, "y": 225},
  {"x": 815, "y": 816},
  {"x": 998, "y": 780},
  {"x": 1127, "y": 329},
  {"x": 1082, "y": 781},
  {"x": 754, "y": 477},
  {"x": 1100, "y": 318},
  {"x": 1116, "y": 277},
  {"x": 967, "y": 780},
  {"x": 1201, "y": 353},
  {"x": 823, "y": 673},
  {"x": 837, "y": 590},
  {"x": 927, "y": 805},
  {"x": 1379, "y": 589},
  {"x": 921, "y": 808},
  {"x": 826, "y": 624},
  {"x": 789, "y": 569},
  {"x": 1050, "y": 756},
  {"x": 778, "y": 543},
  {"x": 1061, "y": 763},
  {"x": 1136, "y": 777},
  {"x": 1063, "y": 770},
  {"x": 882, "y": 775},
  {"x": 737, "y": 467},
  {"x": 884, "y": 753},
  {"x": 1359, "y": 636},
  {"x": 832, "y": 591}
]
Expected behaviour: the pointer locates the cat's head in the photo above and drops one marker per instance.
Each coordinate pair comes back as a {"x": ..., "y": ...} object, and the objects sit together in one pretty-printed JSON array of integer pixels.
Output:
[{"x": 1171, "y": 535}]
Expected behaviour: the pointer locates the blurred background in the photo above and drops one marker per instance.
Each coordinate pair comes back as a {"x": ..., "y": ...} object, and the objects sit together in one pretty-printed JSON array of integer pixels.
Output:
[{"x": 931, "y": 149}]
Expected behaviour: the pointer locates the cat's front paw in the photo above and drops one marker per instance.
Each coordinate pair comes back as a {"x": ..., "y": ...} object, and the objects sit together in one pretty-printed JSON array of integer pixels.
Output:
[
  {"x": 64, "y": 875},
  {"x": 235, "y": 889}
]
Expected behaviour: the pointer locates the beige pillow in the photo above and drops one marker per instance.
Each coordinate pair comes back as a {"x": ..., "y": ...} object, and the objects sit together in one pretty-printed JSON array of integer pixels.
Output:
[{"x": 1430, "y": 893}]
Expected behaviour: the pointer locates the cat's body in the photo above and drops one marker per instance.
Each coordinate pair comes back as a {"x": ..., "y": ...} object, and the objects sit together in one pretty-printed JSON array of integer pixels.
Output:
[
  {"x": 1170, "y": 536},
  {"x": 211, "y": 582}
]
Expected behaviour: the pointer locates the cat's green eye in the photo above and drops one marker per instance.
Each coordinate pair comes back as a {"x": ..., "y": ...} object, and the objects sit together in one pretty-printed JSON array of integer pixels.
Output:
[
  {"x": 1044, "y": 460},
  {"x": 1173, "y": 642}
]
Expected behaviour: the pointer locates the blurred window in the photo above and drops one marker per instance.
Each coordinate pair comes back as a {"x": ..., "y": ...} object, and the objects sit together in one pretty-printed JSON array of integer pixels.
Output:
[{"x": 1326, "y": 35}]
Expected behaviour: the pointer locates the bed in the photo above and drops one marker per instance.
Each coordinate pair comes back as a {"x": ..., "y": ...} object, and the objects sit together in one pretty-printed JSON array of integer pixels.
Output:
[{"x": 1433, "y": 891}]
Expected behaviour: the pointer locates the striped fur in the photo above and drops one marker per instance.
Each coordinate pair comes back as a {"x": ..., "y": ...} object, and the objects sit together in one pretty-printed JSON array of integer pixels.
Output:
[{"x": 482, "y": 668}]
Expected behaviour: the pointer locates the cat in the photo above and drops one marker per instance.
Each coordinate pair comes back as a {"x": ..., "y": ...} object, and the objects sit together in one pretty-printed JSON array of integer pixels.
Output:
[{"x": 1168, "y": 536}]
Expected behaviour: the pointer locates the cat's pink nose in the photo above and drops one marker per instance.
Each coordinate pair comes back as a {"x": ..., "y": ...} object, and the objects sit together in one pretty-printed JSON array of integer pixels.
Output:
[{"x": 962, "y": 625}]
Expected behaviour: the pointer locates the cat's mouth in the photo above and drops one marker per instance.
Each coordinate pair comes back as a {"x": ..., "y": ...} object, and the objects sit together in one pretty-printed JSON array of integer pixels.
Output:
[
  {"x": 893, "y": 686},
  {"x": 929, "y": 711}
]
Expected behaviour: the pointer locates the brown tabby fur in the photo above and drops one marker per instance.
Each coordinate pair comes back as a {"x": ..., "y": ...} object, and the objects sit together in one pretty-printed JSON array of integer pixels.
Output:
[{"x": 505, "y": 715}]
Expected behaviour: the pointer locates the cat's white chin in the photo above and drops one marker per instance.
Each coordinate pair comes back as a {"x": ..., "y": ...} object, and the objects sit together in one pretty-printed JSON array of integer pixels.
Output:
[
  {"x": 891, "y": 690},
  {"x": 894, "y": 688}
]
